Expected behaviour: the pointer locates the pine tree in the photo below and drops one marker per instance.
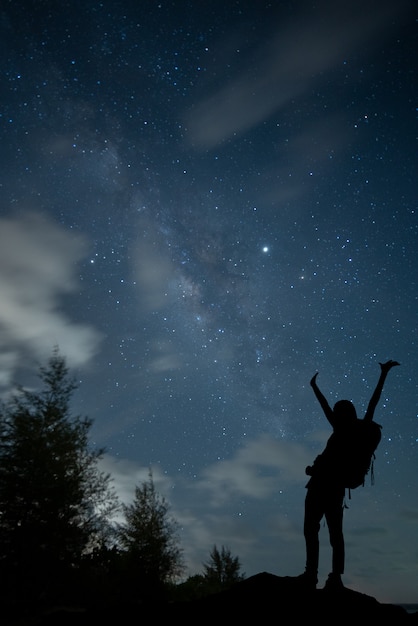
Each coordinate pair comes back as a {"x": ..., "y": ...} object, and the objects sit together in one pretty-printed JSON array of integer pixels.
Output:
[
  {"x": 54, "y": 502},
  {"x": 149, "y": 540},
  {"x": 222, "y": 571}
]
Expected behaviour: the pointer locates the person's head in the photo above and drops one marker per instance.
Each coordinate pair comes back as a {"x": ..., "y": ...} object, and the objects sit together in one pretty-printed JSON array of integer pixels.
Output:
[{"x": 345, "y": 411}]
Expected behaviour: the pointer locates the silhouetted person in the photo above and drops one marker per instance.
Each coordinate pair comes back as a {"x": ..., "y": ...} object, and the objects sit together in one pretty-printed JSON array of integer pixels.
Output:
[{"x": 326, "y": 490}]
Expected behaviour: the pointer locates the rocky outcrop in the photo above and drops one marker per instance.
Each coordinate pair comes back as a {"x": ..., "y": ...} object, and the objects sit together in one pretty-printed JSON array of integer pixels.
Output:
[{"x": 269, "y": 597}]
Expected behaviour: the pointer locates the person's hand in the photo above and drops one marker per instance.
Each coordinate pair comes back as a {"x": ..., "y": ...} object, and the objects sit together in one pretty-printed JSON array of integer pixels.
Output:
[
  {"x": 388, "y": 365},
  {"x": 313, "y": 379}
]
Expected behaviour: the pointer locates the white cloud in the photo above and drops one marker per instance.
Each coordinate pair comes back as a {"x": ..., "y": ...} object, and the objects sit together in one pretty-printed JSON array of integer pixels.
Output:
[
  {"x": 127, "y": 475},
  {"x": 38, "y": 261},
  {"x": 257, "y": 470}
]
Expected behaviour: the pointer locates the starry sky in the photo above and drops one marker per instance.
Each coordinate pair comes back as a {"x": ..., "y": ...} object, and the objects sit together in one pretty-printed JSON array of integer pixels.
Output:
[{"x": 202, "y": 205}]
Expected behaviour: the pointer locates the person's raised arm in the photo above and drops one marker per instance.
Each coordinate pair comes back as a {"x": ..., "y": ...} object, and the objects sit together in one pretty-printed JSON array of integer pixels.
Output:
[
  {"x": 322, "y": 400},
  {"x": 384, "y": 369}
]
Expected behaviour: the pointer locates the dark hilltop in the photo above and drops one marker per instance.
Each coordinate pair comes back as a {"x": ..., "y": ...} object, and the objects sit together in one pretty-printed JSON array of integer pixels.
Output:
[{"x": 263, "y": 596}]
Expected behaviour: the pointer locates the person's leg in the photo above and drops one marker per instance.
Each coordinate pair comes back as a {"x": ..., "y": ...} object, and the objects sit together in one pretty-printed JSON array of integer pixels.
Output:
[
  {"x": 312, "y": 521},
  {"x": 334, "y": 517}
]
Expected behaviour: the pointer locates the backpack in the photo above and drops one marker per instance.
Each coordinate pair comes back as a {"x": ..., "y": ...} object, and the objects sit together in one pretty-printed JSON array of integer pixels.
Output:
[
  {"x": 349, "y": 454},
  {"x": 360, "y": 453}
]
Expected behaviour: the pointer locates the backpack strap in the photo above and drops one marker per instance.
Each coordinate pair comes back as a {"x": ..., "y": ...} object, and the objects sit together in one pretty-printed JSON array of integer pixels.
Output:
[{"x": 372, "y": 470}]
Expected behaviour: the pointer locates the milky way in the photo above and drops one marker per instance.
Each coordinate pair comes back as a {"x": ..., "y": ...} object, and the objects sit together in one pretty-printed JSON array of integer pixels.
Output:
[{"x": 202, "y": 206}]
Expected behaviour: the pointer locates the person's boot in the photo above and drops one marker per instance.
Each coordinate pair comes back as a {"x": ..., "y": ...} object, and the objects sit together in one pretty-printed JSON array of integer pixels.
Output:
[
  {"x": 307, "y": 580},
  {"x": 334, "y": 582}
]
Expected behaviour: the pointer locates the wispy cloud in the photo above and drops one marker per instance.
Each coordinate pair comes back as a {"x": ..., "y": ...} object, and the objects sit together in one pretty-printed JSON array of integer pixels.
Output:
[
  {"x": 285, "y": 67},
  {"x": 126, "y": 475},
  {"x": 38, "y": 262},
  {"x": 257, "y": 470}
]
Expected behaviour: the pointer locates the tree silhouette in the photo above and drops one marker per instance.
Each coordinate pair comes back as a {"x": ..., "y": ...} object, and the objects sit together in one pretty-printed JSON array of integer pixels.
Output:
[
  {"x": 149, "y": 541},
  {"x": 222, "y": 570},
  {"x": 54, "y": 502},
  {"x": 220, "y": 573}
]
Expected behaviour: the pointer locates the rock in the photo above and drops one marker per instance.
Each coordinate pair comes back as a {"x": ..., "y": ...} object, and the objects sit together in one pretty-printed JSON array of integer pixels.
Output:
[{"x": 270, "y": 597}]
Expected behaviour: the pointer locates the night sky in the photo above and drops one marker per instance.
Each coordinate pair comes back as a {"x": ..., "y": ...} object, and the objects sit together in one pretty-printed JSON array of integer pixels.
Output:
[{"x": 203, "y": 204}]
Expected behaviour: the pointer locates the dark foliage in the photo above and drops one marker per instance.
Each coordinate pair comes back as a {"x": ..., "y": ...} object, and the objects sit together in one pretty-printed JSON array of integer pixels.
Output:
[
  {"x": 54, "y": 501},
  {"x": 220, "y": 573},
  {"x": 151, "y": 558}
]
